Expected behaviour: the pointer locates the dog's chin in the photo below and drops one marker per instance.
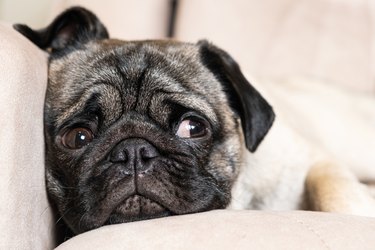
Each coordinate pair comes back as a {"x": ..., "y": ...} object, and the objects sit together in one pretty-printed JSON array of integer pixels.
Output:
[{"x": 135, "y": 208}]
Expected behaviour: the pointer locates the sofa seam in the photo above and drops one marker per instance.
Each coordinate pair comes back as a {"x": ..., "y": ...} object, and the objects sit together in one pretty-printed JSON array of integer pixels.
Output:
[{"x": 315, "y": 232}]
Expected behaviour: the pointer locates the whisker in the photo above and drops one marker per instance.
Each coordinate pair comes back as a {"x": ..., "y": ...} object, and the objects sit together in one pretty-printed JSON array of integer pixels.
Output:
[
  {"x": 47, "y": 207},
  {"x": 62, "y": 216},
  {"x": 69, "y": 188},
  {"x": 80, "y": 220}
]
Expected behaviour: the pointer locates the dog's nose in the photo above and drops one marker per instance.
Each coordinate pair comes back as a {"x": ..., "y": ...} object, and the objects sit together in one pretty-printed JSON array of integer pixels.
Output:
[{"x": 134, "y": 153}]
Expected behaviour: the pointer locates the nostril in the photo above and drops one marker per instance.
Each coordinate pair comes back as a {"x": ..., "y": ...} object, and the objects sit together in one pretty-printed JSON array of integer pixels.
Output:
[
  {"x": 118, "y": 156},
  {"x": 130, "y": 151},
  {"x": 148, "y": 152}
]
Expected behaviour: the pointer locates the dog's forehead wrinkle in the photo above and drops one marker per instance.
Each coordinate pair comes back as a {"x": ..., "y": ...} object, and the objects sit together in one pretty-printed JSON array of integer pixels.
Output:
[
  {"x": 194, "y": 102},
  {"x": 107, "y": 94},
  {"x": 138, "y": 70},
  {"x": 143, "y": 69}
]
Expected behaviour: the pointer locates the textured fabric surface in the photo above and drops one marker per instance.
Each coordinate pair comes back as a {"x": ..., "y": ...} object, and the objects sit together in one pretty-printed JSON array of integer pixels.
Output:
[
  {"x": 234, "y": 230},
  {"x": 26, "y": 220},
  {"x": 326, "y": 39}
]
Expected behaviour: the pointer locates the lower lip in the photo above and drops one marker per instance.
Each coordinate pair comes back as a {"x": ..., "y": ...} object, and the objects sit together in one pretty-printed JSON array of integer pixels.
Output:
[{"x": 136, "y": 208}]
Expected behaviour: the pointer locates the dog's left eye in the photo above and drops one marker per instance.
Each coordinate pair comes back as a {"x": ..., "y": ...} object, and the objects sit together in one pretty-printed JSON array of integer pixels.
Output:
[
  {"x": 77, "y": 138},
  {"x": 191, "y": 128}
]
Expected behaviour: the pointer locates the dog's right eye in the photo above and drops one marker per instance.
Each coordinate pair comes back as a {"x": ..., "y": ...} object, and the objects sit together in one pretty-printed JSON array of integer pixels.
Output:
[
  {"x": 77, "y": 138},
  {"x": 192, "y": 127}
]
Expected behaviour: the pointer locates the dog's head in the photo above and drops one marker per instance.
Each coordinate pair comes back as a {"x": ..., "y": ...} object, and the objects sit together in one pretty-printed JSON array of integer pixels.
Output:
[{"x": 141, "y": 129}]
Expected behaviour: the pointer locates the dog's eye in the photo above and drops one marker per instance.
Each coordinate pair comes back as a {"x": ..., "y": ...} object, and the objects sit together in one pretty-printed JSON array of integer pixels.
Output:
[
  {"x": 191, "y": 128},
  {"x": 77, "y": 138}
]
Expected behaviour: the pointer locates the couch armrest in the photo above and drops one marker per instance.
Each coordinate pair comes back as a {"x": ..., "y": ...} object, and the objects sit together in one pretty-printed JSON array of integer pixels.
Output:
[
  {"x": 234, "y": 230},
  {"x": 26, "y": 219}
]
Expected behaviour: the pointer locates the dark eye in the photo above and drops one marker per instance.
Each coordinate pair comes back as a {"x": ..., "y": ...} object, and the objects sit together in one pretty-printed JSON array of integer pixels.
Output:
[
  {"x": 77, "y": 138},
  {"x": 191, "y": 128}
]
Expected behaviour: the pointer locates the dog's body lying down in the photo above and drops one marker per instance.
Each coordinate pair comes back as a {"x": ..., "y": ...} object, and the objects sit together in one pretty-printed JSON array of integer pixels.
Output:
[
  {"x": 144, "y": 129},
  {"x": 327, "y": 134}
]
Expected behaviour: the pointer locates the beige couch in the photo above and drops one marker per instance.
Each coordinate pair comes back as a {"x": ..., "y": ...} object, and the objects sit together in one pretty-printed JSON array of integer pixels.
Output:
[{"x": 27, "y": 221}]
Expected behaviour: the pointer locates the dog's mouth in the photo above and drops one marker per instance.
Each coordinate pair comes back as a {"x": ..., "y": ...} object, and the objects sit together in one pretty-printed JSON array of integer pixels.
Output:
[{"x": 135, "y": 208}]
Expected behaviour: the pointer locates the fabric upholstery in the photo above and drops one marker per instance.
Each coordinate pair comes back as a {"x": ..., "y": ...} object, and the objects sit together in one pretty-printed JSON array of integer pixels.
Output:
[
  {"x": 323, "y": 39},
  {"x": 234, "y": 230},
  {"x": 26, "y": 218}
]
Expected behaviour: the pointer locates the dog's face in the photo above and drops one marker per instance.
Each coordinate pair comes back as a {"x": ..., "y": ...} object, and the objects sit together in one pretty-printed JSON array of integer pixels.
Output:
[{"x": 138, "y": 130}]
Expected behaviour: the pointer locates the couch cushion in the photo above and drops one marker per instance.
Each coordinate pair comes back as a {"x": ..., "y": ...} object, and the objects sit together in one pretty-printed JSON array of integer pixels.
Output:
[
  {"x": 226, "y": 229},
  {"x": 26, "y": 218}
]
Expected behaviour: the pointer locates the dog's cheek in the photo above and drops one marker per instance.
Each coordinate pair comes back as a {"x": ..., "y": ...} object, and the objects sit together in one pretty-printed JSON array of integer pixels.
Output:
[{"x": 225, "y": 160}]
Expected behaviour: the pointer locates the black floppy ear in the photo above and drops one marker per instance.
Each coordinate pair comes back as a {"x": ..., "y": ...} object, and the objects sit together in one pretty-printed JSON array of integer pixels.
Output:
[
  {"x": 256, "y": 114},
  {"x": 72, "y": 27}
]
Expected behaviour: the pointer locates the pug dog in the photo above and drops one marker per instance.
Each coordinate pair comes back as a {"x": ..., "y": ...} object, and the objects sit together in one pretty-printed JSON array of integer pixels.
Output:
[{"x": 137, "y": 130}]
